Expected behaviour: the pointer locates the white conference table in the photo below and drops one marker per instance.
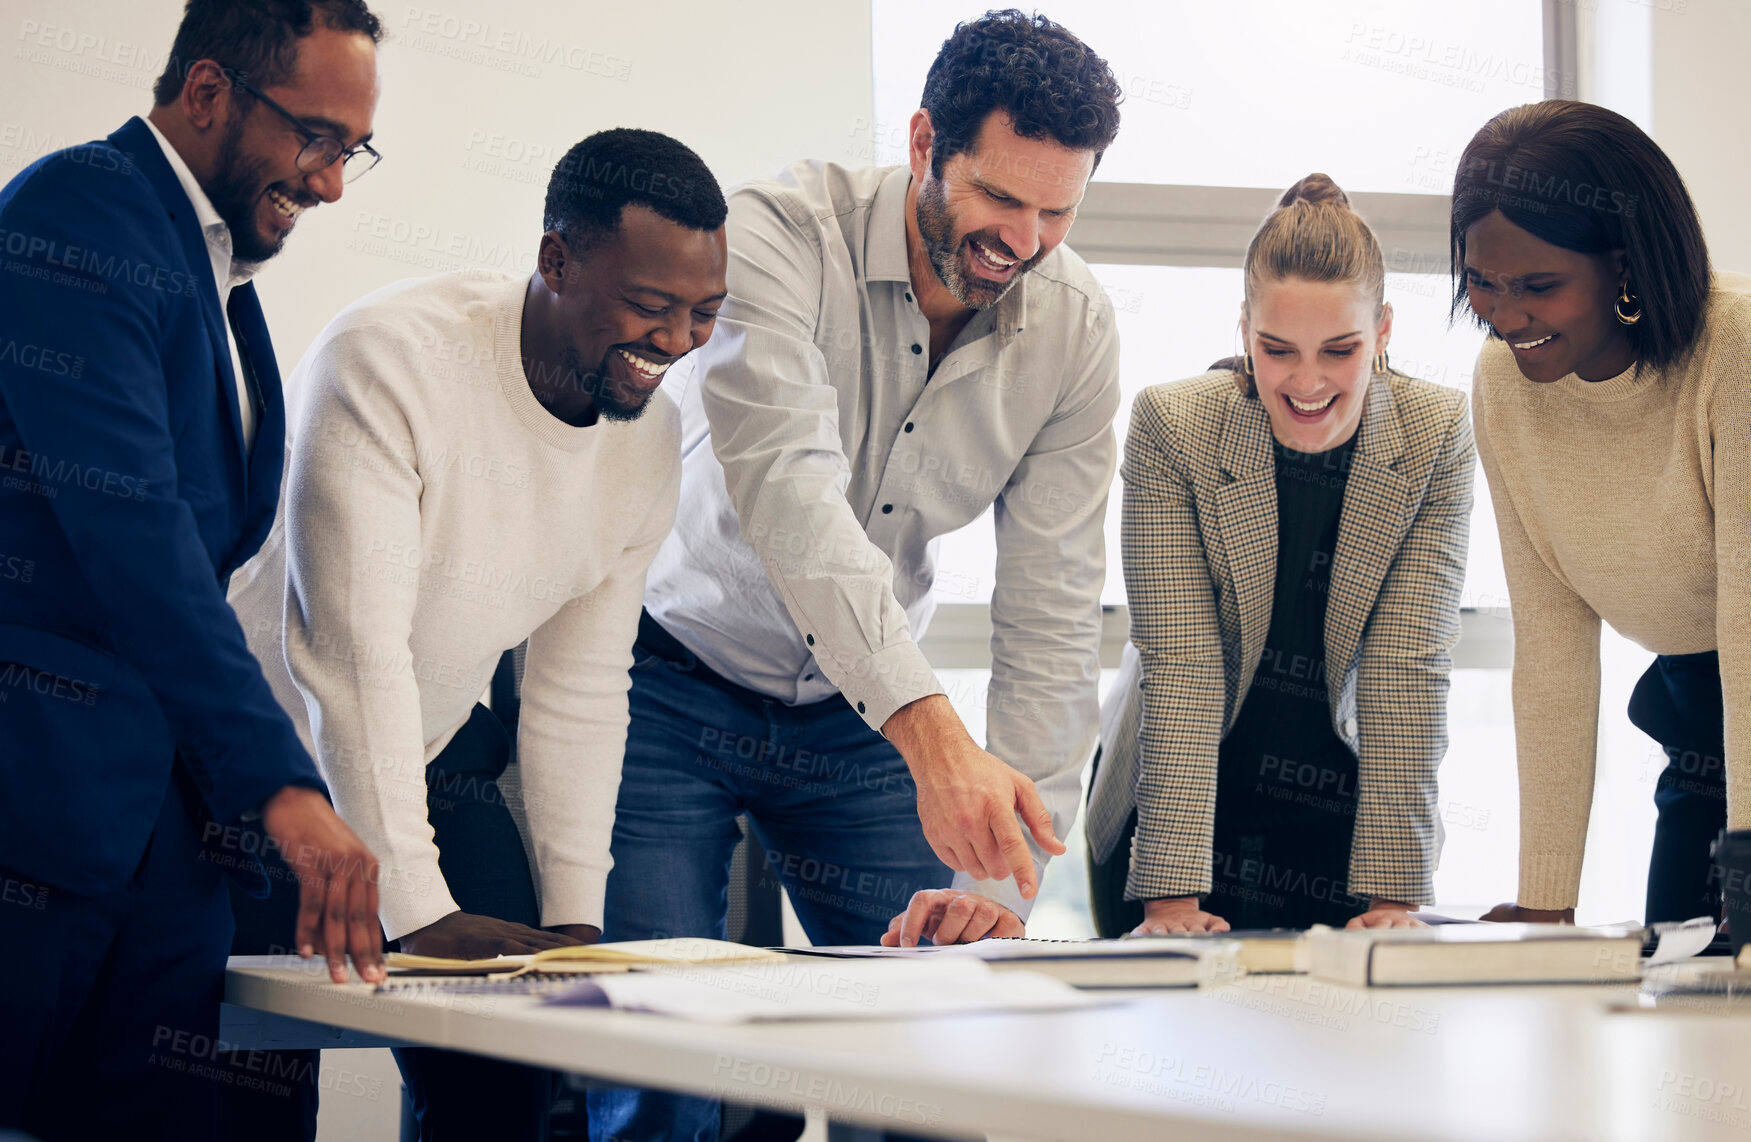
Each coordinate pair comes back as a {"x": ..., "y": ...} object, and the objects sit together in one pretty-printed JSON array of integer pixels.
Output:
[{"x": 1263, "y": 1057}]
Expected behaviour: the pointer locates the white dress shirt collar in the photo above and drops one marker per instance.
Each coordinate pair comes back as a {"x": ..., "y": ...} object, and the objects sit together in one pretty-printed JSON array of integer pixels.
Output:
[
  {"x": 886, "y": 257},
  {"x": 218, "y": 235},
  {"x": 228, "y": 272}
]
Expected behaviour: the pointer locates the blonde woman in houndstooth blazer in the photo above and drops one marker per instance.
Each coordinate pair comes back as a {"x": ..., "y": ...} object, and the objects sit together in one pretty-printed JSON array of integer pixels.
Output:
[{"x": 1307, "y": 507}]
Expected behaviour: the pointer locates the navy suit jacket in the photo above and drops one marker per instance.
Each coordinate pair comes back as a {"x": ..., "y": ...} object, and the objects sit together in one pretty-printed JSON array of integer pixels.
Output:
[{"x": 126, "y": 501}]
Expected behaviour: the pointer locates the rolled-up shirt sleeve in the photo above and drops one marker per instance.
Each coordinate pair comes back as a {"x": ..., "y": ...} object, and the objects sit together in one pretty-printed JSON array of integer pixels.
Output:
[{"x": 775, "y": 430}]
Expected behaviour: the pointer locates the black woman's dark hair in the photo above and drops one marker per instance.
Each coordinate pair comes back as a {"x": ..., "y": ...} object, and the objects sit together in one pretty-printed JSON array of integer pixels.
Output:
[
  {"x": 1048, "y": 81},
  {"x": 257, "y": 38},
  {"x": 1585, "y": 178},
  {"x": 610, "y": 169}
]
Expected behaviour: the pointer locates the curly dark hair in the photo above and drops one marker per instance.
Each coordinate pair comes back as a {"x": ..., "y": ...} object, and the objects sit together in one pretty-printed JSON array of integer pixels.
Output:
[
  {"x": 256, "y": 38},
  {"x": 1047, "y": 80},
  {"x": 1585, "y": 178},
  {"x": 610, "y": 169}
]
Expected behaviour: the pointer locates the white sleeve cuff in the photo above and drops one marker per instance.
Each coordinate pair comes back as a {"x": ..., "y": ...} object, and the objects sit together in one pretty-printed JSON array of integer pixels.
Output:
[
  {"x": 573, "y": 894},
  {"x": 411, "y": 895},
  {"x": 1003, "y": 891}
]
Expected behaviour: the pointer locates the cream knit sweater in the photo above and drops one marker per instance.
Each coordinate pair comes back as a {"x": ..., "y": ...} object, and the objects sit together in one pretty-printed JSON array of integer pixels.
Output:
[
  {"x": 1627, "y": 500},
  {"x": 433, "y": 515}
]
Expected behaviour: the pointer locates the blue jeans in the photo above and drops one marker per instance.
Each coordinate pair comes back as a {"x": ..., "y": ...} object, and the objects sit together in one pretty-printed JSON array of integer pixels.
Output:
[{"x": 829, "y": 798}]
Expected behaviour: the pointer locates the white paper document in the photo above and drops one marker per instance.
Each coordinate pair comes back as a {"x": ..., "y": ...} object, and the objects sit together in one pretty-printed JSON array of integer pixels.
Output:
[
  {"x": 1681, "y": 941},
  {"x": 825, "y": 989}
]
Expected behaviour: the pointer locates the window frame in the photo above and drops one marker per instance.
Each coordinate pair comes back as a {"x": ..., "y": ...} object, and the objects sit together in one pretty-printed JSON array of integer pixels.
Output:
[{"x": 1156, "y": 224}]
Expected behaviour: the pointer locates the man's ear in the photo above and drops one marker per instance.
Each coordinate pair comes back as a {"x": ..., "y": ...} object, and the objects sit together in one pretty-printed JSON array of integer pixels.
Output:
[
  {"x": 920, "y": 136},
  {"x": 207, "y": 94},
  {"x": 552, "y": 259}
]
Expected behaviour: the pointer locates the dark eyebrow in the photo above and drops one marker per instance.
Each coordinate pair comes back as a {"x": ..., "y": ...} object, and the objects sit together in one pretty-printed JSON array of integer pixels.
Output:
[
  {"x": 669, "y": 297},
  {"x": 1523, "y": 280},
  {"x": 1327, "y": 341},
  {"x": 1001, "y": 193},
  {"x": 330, "y": 127}
]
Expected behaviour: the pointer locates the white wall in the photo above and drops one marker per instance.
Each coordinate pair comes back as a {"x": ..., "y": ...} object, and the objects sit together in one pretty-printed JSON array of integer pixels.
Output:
[
  {"x": 468, "y": 146},
  {"x": 480, "y": 98},
  {"x": 1702, "y": 89}
]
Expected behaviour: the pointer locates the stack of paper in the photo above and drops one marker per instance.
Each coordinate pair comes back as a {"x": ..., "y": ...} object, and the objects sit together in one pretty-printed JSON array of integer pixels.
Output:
[
  {"x": 1160, "y": 961},
  {"x": 824, "y": 989}
]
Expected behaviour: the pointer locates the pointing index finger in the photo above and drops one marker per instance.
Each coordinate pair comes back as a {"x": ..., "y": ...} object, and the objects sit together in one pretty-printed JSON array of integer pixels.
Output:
[
  {"x": 1015, "y": 852},
  {"x": 1038, "y": 817}
]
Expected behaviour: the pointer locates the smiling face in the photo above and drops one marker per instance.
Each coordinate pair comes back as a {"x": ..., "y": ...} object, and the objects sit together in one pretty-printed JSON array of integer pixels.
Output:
[
  {"x": 996, "y": 209},
  {"x": 632, "y": 305},
  {"x": 254, "y": 181},
  {"x": 1313, "y": 346},
  {"x": 1551, "y": 305}
]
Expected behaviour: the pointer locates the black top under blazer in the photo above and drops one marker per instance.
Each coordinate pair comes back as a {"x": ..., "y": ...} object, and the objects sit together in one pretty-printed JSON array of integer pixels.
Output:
[{"x": 1200, "y": 539}]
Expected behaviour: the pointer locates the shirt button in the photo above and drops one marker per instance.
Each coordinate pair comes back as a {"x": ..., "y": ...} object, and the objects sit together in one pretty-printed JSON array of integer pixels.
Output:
[
  {"x": 917, "y": 348},
  {"x": 908, "y": 297},
  {"x": 809, "y": 677},
  {"x": 860, "y": 708},
  {"x": 1349, "y": 727},
  {"x": 908, "y": 426},
  {"x": 810, "y": 638},
  {"x": 887, "y": 509}
]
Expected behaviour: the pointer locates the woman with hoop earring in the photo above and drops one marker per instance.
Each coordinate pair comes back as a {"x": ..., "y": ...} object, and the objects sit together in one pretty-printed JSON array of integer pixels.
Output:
[{"x": 1613, "y": 416}]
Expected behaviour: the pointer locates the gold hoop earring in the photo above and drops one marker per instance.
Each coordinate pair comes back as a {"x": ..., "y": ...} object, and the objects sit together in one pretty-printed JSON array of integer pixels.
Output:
[
  {"x": 1246, "y": 364},
  {"x": 1626, "y": 298},
  {"x": 1381, "y": 362}
]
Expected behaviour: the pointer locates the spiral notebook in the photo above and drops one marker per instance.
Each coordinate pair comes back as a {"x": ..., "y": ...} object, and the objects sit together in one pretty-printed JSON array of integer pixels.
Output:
[
  {"x": 581, "y": 959},
  {"x": 539, "y": 985}
]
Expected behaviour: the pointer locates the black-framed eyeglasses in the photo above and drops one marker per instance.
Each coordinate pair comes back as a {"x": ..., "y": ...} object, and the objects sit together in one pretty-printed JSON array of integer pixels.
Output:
[{"x": 320, "y": 150}]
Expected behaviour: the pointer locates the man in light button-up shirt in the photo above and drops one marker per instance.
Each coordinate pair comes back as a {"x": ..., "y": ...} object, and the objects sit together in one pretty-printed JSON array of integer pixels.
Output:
[{"x": 901, "y": 350}]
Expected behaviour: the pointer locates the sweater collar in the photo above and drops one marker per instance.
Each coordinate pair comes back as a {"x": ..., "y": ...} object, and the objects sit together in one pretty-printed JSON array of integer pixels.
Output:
[{"x": 508, "y": 353}]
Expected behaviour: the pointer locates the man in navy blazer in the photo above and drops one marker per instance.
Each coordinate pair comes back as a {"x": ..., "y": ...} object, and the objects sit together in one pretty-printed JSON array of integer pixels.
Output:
[{"x": 141, "y": 440}]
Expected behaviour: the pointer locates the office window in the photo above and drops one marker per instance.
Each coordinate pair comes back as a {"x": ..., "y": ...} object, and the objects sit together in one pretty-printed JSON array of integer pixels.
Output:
[
  {"x": 1381, "y": 94},
  {"x": 1225, "y": 106}
]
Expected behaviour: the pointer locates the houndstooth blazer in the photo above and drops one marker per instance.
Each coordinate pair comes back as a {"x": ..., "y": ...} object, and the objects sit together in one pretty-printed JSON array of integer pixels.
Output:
[{"x": 1200, "y": 553}]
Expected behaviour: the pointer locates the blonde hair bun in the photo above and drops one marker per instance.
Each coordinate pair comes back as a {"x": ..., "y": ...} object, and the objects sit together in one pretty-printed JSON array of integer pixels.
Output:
[
  {"x": 1316, "y": 190},
  {"x": 1314, "y": 235}
]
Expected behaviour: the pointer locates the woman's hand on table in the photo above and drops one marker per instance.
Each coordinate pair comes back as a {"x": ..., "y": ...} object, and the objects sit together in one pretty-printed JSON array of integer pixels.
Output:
[
  {"x": 1177, "y": 915},
  {"x": 1387, "y": 914},
  {"x": 1511, "y": 913}
]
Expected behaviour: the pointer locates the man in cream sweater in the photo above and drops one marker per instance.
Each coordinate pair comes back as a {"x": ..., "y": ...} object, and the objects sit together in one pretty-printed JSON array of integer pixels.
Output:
[{"x": 476, "y": 460}]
